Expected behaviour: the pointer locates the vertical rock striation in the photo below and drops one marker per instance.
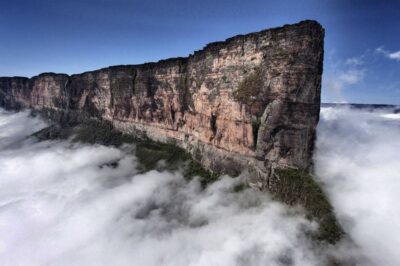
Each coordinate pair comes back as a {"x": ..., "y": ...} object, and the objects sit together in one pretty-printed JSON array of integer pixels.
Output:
[{"x": 251, "y": 102}]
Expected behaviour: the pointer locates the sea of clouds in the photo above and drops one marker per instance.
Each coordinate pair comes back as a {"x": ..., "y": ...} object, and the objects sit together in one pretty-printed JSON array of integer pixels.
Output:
[
  {"x": 358, "y": 159},
  {"x": 64, "y": 203}
]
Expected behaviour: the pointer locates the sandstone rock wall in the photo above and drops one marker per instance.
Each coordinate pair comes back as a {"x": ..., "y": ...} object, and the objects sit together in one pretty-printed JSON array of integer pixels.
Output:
[{"x": 250, "y": 102}]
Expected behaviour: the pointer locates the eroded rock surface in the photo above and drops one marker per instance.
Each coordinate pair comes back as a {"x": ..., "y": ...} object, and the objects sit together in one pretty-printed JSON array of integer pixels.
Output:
[{"x": 250, "y": 102}]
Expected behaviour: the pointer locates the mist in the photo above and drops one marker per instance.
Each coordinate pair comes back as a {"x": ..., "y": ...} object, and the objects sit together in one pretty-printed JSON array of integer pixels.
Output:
[
  {"x": 357, "y": 159},
  {"x": 66, "y": 203}
]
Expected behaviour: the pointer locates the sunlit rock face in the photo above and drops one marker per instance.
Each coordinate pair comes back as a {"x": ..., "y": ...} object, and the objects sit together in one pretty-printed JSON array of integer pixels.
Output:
[{"x": 250, "y": 102}]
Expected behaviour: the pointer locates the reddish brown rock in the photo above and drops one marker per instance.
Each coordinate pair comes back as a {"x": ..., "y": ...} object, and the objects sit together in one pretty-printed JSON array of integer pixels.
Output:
[{"x": 249, "y": 103}]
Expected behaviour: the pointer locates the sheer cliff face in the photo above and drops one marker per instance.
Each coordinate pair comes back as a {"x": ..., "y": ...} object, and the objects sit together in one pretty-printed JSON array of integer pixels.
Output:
[{"x": 250, "y": 102}]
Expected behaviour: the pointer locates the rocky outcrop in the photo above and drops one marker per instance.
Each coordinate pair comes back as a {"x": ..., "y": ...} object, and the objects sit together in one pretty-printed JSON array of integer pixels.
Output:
[{"x": 248, "y": 103}]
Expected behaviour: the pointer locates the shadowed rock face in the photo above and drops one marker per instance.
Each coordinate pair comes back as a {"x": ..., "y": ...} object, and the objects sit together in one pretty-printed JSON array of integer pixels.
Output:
[{"x": 251, "y": 102}]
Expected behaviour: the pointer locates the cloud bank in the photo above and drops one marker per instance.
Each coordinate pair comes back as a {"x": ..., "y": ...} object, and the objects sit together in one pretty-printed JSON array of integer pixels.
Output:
[
  {"x": 64, "y": 203},
  {"x": 358, "y": 160},
  {"x": 73, "y": 204}
]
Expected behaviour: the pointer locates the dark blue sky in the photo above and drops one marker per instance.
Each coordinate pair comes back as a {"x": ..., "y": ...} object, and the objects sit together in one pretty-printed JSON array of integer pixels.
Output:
[{"x": 362, "y": 36}]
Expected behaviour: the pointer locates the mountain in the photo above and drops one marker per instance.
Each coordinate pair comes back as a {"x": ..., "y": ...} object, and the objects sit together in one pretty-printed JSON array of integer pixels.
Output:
[{"x": 251, "y": 103}]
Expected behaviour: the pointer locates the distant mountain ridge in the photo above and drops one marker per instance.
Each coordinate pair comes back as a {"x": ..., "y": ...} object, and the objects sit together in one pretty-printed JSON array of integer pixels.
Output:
[{"x": 395, "y": 108}]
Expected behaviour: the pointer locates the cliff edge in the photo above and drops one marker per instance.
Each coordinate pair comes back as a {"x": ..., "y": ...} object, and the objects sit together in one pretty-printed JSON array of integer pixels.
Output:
[
  {"x": 252, "y": 100},
  {"x": 249, "y": 103}
]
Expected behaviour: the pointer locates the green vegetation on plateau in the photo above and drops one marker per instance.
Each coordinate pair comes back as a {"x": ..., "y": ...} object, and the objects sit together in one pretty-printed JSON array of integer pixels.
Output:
[{"x": 297, "y": 187}]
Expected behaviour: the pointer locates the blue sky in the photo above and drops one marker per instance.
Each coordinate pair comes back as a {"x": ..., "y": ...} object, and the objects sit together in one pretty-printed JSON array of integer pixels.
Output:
[{"x": 362, "y": 46}]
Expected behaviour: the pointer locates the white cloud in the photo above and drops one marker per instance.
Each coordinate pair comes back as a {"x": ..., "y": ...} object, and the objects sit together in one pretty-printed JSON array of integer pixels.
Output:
[
  {"x": 14, "y": 127},
  {"x": 62, "y": 204},
  {"x": 395, "y": 55},
  {"x": 357, "y": 159},
  {"x": 338, "y": 81},
  {"x": 350, "y": 77},
  {"x": 342, "y": 75},
  {"x": 388, "y": 54},
  {"x": 380, "y": 50},
  {"x": 355, "y": 61}
]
